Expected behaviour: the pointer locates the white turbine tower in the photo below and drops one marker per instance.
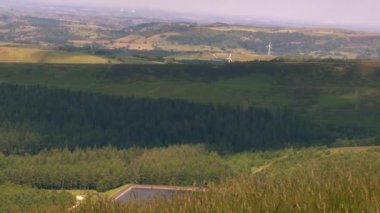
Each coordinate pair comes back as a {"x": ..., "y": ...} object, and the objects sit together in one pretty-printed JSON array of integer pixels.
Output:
[
  {"x": 269, "y": 46},
  {"x": 229, "y": 58}
]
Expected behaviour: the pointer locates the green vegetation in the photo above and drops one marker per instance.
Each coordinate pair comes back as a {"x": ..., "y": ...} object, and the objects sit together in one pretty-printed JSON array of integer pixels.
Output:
[
  {"x": 58, "y": 123},
  {"x": 77, "y": 122},
  {"x": 286, "y": 180},
  {"x": 356, "y": 142},
  {"x": 35, "y": 55},
  {"x": 114, "y": 192},
  {"x": 311, "y": 180},
  {"x": 325, "y": 92},
  {"x": 16, "y": 198},
  {"x": 306, "y": 180},
  {"x": 108, "y": 168},
  {"x": 287, "y": 43},
  {"x": 51, "y": 118}
]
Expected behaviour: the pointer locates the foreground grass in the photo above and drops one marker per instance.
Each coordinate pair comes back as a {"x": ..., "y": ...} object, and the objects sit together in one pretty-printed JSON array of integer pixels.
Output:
[
  {"x": 307, "y": 180},
  {"x": 310, "y": 180},
  {"x": 16, "y": 198},
  {"x": 77, "y": 192}
]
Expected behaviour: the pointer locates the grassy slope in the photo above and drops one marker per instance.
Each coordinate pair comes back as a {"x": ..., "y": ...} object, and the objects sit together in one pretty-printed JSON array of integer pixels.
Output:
[
  {"x": 235, "y": 91},
  {"x": 114, "y": 192},
  {"x": 336, "y": 179},
  {"x": 16, "y": 198},
  {"x": 236, "y": 56},
  {"x": 308, "y": 180},
  {"x": 34, "y": 55},
  {"x": 328, "y": 101},
  {"x": 238, "y": 40}
]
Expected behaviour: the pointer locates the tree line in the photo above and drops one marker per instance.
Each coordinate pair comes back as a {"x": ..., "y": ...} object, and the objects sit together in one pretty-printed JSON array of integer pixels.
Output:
[
  {"x": 108, "y": 168},
  {"x": 33, "y": 118}
]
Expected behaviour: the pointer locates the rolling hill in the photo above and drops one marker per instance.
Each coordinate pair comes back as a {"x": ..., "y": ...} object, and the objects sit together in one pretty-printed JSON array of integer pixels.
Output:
[
  {"x": 340, "y": 94},
  {"x": 165, "y": 40},
  {"x": 10, "y": 53},
  {"x": 95, "y": 100}
]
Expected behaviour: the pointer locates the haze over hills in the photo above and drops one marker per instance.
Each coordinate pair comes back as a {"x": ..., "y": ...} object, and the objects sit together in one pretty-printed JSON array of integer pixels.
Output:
[
  {"x": 42, "y": 31},
  {"x": 354, "y": 15}
]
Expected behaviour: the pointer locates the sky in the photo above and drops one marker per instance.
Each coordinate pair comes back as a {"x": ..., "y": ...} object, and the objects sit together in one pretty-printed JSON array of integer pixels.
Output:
[{"x": 344, "y": 12}]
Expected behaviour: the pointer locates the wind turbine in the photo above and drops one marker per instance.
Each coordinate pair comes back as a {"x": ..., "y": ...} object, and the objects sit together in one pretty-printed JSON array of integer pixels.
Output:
[
  {"x": 269, "y": 46},
  {"x": 229, "y": 58}
]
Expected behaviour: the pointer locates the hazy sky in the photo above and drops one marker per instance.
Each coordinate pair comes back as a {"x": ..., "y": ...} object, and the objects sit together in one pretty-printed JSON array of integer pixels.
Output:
[{"x": 356, "y": 12}]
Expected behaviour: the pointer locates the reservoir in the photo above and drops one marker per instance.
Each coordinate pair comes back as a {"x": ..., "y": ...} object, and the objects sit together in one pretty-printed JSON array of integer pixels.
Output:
[{"x": 143, "y": 193}]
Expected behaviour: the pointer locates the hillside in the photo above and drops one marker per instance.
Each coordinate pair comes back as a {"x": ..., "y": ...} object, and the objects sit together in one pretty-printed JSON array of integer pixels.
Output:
[
  {"x": 42, "y": 118},
  {"x": 125, "y": 38},
  {"x": 296, "y": 180},
  {"x": 25, "y": 54},
  {"x": 170, "y": 106},
  {"x": 341, "y": 95},
  {"x": 215, "y": 41}
]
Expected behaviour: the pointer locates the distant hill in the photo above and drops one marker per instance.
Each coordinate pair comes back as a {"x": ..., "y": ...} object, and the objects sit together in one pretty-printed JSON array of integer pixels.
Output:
[
  {"x": 120, "y": 36},
  {"x": 222, "y": 38}
]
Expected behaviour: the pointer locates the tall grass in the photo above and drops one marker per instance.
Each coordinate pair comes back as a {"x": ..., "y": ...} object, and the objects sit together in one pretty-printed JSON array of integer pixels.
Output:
[
  {"x": 308, "y": 181},
  {"x": 17, "y": 198}
]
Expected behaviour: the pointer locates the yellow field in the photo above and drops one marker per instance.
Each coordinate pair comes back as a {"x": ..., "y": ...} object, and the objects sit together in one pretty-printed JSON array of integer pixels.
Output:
[
  {"x": 34, "y": 55},
  {"x": 337, "y": 150},
  {"x": 306, "y": 31},
  {"x": 238, "y": 28},
  {"x": 351, "y": 149},
  {"x": 236, "y": 56},
  {"x": 142, "y": 43}
]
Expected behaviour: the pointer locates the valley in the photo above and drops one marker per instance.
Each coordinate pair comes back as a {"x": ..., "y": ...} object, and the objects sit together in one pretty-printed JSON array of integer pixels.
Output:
[
  {"x": 134, "y": 107},
  {"x": 68, "y": 134}
]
